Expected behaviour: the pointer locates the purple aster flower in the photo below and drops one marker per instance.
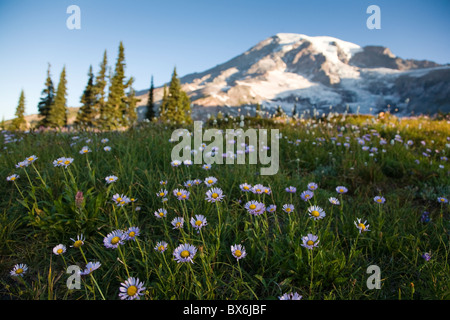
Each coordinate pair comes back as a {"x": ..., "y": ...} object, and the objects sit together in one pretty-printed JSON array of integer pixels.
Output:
[
  {"x": 254, "y": 207},
  {"x": 341, "y": 189},
  {"x": 290, "y": 296},
  {"x": 288, "y": 208},
  {"x": 310, "y": 241},
  {"x": 238, "y": 251},
  {"x": 379, "y": 199},
  {"x": 132, "y": 233},
  {"x": 114, "y": 239},
  {"x": 245, "y": 187},
  {"x": 312, "y": 186},
  {"x": 131, "y": 289},
  {"x": 258, "y": 189},
  {"x": 307, "y": 195},
  {"x": 291, "y": 189},
  {"x": 214, "y": 195},
  {"x": 426, "y": 256},
  {"x": 198, "y": 222},
  {"x": 185, "y": 253}
]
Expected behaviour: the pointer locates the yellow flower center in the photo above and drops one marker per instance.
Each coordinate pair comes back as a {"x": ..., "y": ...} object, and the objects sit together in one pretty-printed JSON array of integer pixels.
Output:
[
  {"x": 115, "y": 240},
  {"x": 19, "y": 271},
  {"x": 246, "y": 187},
  {"x": 214, "y": 195},
  {"x": 238, "y": 253},
  {"x": 178, "y": 224},
  {"x": 315, "y": 213},
  {"x": 30, "y": 159},
  {"x": 266, "y": 190},
  {"x": 122, "y": 202},
  {"x": 379, "y": 200},
  {"x": 310, "y": 242},
  {"x": 183, "y": 196},
  {"x": 341, "y": 190},
  {"x": 13, "y": 178},
  {"x": 252, "y": 206},
  {"x": 59, "y": 251},
  {"x": 161, "y": 214},
  {"x": 161, "y": 248},
  {"x": 210, "y": 181},
  {"x": 78, "y": 243},
  {"x": 362, "y": 226},
  {"x": 258, "y": 190},
  {"x": 119, "y": 199},
  {"x": 68, "y": 162},
  {"x": 85, "y": 151},
  {"x": 198, "y": 223},
  {"x": 131, "y": 291},
  {"x": 288, "y": 209},
  {"x": 161, "y": 194},
  {"x": 178, "y": 193},
  {"x": 132, "y": 234},
  {"x": 185, "y": 254}
]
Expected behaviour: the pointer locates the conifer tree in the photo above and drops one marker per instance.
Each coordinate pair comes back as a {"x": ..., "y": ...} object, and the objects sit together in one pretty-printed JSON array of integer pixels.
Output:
[
  {"x": 294, "y": 111},
  {"x": 177, "y": 108},
  {"x": 162, "y": 107},
  {"x": 130, "y": 117},
  {"x": 19, "y": 122},
  {"x": 101, "y": 82},
  {"x": 258, "y": 110},
  {"x": 173, "y": 108},
  {"x": 150, "y": 103},
  {"x": 116, "y": 105},
  {"x": 106, "y": 112},
  {"x": 86, "y": 114},
  {"x": 186, "y": 107},
  {"x": 47, "y": 99},
  {"x": 57, "y": 116},
  {"x": 279, "y": 112}
]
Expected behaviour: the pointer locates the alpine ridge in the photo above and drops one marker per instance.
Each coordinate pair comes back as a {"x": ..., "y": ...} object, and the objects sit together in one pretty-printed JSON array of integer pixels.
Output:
[{"x": 318, "y": 73}]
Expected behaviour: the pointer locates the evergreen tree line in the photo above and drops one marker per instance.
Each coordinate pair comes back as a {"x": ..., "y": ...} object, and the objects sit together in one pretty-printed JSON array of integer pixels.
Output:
[
  {"x": 112, "y": 108},
  {"x": 116, "y": 107},
  {"x": 108, "y": 100}
]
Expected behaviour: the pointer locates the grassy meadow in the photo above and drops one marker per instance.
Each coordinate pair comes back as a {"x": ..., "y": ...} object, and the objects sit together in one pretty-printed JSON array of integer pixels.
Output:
[{"x": 115, "y": 224}]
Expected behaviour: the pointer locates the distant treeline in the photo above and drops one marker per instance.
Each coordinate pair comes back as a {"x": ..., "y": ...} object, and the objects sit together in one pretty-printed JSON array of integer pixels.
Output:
[{"x": 108, "y": 101}]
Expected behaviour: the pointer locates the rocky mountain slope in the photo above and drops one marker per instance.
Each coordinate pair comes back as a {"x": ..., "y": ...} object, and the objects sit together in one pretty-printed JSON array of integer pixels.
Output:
[{"x": 314, "y": 73}]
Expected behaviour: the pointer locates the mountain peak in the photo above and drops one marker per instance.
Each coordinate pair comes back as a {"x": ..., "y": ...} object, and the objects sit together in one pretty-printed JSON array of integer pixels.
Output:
[
  {"x": 289, "y": 37},
  {"x": 290, "y": 69}
]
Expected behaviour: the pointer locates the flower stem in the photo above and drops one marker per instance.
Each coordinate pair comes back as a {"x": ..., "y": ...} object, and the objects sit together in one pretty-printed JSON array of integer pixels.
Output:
[{"x": 123, "y": 260}]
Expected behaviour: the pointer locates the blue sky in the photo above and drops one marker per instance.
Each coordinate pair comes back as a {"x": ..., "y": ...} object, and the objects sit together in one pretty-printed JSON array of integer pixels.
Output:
[{"x": 191, "y": 35}]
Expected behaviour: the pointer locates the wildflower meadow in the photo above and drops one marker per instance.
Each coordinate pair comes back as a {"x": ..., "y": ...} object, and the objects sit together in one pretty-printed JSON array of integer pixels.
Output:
[{"x": 109, "y": 215}]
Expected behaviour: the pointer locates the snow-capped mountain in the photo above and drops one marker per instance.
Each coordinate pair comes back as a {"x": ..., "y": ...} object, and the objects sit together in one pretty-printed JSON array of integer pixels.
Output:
[{"x": 316, "y": 73}]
